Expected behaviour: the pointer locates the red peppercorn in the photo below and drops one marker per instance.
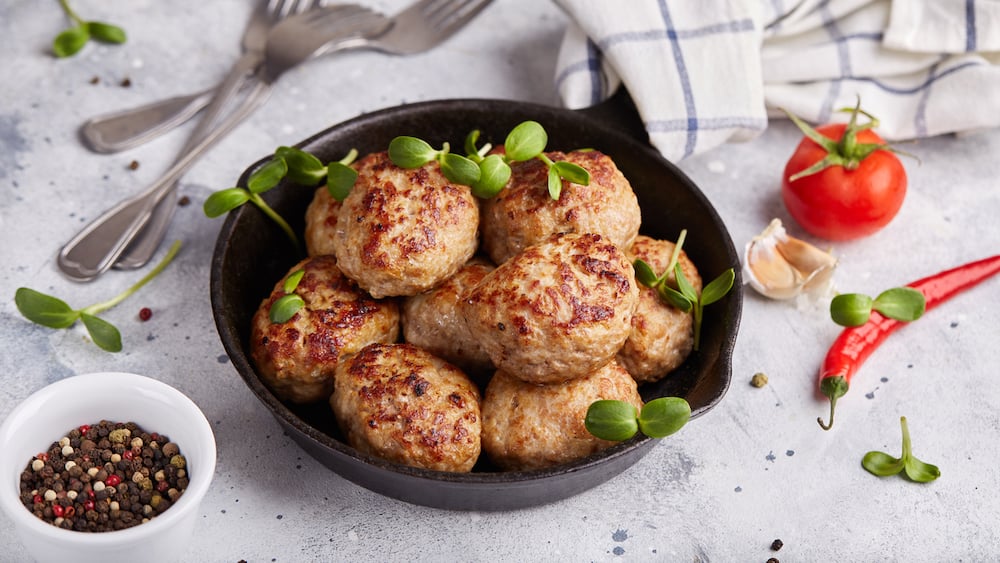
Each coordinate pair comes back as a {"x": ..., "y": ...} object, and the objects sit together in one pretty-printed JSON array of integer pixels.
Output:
[
  {"x": 57, "y": 509},
  {"x": 37, "y": 499},
  {"x": 127, "y": 454},
  {"x": 84, "y": 429},
  {"x": 69, "y": 512},
  {"x": 88, "y": 505},
  {"x": 162, "y": 486},
  {"x": 113, "y": 480},
  {"x": 145, "y": 314},
  {"x": 91, "y": 494},
  {"x": 43, "y": 456}
]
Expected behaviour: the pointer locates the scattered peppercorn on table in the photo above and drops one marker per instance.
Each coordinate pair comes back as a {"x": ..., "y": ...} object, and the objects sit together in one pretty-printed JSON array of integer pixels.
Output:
[{"x": 753, "y": 479}]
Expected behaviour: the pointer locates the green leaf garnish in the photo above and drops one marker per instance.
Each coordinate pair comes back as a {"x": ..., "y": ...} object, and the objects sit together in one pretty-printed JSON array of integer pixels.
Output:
[
  {"x": 103, "y": 333},
  {"x": 285, "y": 307},
  {"x": 883, "y": 464},
  {"x": 612, "y": 420},
  {"x": 106, "y": 32},
  {"x": 300, "y": 167},
  {"x": 526, "y": 141},
  {"x": 685, "y": 297},
  {"x": 615, "y": 420},
  {"x": 224, "y": 201},
  {"x": 572, "y": 172},
  {"x": 410, "y": 152},
  {"x": 69, "y": 42},
  {"x": 288, "y": 304},
  {"x": 340, "y": 179},
  {"x": 851, "y": 309},
  {"x": 267, "y": 176},
  {"x": 900, "y": 303},
  {"x": 459, "y": 169},
  {"x": 53, "y": 312},
  {"x": 662, "y": 417},
  {"x": 494, "y": 173}
]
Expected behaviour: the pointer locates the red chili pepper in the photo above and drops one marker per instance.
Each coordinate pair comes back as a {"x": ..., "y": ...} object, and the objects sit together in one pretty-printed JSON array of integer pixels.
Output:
[{"x": 855, "y": 344}]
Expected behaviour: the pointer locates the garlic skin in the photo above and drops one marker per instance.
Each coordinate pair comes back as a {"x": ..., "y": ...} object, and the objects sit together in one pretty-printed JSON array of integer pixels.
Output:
[{"x": 780, "y": 266}]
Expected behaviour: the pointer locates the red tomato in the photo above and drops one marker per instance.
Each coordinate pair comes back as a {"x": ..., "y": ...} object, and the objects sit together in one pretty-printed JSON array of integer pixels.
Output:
[{"x": 840, "y": 204}]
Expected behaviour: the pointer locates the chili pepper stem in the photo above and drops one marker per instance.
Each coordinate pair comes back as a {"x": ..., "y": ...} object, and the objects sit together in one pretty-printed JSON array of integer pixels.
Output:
[{"x": 834, "y": 388}]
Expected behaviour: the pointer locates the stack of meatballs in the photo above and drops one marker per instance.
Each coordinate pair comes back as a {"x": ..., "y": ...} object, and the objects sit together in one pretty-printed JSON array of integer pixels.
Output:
[{"x": 440, "y": 327}]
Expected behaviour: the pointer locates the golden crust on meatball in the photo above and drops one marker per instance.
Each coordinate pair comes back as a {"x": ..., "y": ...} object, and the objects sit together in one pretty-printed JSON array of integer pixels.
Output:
[
  {"x": 296, "y": 359},
  {"x": 558, "y": 310},
  {"x": 400, "y": 232},
  {"x": 321, "y": 223},
  {"x": 523, "y": 213},
  {"x": 662, "y": 335},
  {"x": 401, "y": 403},
  {"x": 528, "y": 426},
  {"x": 432, "y": 321}
]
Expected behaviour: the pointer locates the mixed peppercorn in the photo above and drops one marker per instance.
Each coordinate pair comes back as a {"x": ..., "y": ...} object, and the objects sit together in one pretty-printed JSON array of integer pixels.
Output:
[{"x": 104, "y": 477}]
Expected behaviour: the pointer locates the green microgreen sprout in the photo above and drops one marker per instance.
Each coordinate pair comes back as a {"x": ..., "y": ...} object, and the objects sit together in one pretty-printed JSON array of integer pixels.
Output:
[
  {"x": 900, "y": 303},
  {"x": 71, "y": 40},
  {"x": 300, "y": 167},
  {"x": 615, "y": 420},
  {"x": 684, "y": 297},
  {"x": 485, "y": 173},
  {"x": 883, "y": 464},
  {"x": 288, "y": 304},
  {"x": 53, "y": 312}
]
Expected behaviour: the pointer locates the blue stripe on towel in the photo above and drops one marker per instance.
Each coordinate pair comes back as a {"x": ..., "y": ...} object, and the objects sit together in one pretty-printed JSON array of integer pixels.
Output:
[
  {"x": 970, "y": 25},
  {"x": 708, "y": 124},
  {"x": 682, "y": 74},
  {"x": 596, "y": 76}
]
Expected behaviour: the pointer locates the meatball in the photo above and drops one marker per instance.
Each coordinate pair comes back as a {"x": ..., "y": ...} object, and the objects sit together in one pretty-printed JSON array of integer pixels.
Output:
[
  {"x": 528, "y": 426},
  {"x": 401, "y": 232},
  {"x": 432, "y": 321},
  {"x": 662, "y": 335},
  {"x": 401, "y": 403},
  {"x": 321, "y": 223},
  {"x": 296, "y": 359},
  {"x": 558, "y": 310},
  {"x": 523, "y": 213}
]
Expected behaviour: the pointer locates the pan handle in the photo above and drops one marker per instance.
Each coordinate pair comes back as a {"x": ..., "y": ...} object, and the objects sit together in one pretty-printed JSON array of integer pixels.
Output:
[{"x": 619, "y": 112}]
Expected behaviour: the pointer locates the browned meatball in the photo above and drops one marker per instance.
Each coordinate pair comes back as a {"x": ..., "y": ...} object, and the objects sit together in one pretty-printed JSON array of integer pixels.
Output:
[
  {"x": 523, "y": 213},
  {"x": 558, "y": 310},
  {"x": 401, "y": 403},
  {"x": 321, "y": 223},
  {"x": 528, "y": 426},
  {"x": 432, "y": 321},
  {"x": 662, "y": 335},
  {"x": 296, "y": 358},
  {"x": 401, "y": 232}
]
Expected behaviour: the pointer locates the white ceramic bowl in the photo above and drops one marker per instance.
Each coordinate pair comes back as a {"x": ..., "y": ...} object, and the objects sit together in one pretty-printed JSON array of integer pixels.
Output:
[{"x": 48, "y": 414}]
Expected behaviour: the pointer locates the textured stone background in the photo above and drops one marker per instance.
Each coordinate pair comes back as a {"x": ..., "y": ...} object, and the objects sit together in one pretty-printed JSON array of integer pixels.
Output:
[{"x": 753, "y": 469}]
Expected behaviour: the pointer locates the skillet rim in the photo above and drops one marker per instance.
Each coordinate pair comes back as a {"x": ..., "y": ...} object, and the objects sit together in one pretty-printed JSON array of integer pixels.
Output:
[{"x": 608, "y": 462}]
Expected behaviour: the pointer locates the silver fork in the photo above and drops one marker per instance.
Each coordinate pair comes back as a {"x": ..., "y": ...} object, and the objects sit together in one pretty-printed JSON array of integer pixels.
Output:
[
  {"x": 94, "y": 249},
  {"x": 144, "y": 245},
  {"x": 121, "y": 130},
  {"x": 424, "y": 25}
]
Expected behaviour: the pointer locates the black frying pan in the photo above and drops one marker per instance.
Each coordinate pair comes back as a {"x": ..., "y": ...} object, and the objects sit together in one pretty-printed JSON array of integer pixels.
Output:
[{"x": 251, "y": 254}]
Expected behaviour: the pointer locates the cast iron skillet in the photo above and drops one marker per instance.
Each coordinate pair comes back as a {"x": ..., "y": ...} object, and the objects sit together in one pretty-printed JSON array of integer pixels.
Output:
[{"x": 251, "y": 254}]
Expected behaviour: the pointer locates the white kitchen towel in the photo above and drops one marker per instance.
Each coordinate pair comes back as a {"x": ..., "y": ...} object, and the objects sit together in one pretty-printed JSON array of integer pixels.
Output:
[{"x": 706, "y": 72}]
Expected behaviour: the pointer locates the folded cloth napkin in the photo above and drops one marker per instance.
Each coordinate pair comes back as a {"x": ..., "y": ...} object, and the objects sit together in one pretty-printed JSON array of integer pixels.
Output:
[{"x": 708, "y": 72}]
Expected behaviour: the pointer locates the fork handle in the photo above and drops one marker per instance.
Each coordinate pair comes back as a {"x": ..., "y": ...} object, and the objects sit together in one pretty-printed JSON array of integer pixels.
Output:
[
  {"x": 94, "y": 249},
  {"x": 145, "y": 243},
  {"x": 126, "y": 129}
]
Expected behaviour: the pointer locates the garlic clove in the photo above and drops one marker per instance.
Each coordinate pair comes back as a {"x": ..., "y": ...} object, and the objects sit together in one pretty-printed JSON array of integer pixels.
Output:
[{"x": 780, "y": 266}]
